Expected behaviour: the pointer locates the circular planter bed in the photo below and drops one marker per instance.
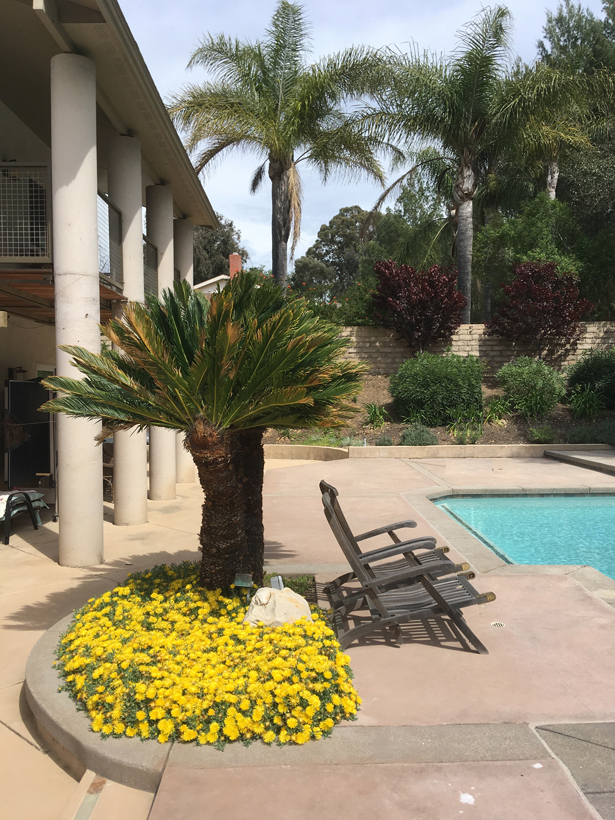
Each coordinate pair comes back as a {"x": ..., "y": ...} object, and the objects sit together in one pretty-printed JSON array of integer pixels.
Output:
[{"x": 159, "y": 660}]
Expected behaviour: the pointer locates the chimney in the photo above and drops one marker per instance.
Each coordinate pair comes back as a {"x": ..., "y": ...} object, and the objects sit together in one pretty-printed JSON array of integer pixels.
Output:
[{"x": 234, "y": 264}]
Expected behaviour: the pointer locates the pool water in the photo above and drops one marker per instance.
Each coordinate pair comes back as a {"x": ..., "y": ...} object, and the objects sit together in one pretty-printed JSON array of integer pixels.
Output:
[{"x": 559, "y": 529}]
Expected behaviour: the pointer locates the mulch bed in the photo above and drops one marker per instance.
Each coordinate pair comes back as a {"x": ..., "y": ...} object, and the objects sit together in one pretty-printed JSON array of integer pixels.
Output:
[{"x": 513, "y": 430}]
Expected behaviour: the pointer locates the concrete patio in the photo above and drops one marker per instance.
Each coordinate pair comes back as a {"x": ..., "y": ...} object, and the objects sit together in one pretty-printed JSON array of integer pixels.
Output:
[{"x": 442, "y": 732}]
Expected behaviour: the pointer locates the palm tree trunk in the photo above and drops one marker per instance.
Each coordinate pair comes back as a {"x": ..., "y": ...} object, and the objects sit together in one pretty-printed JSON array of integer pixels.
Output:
[
  {"x": 486, "y": 302},
  {"x": 465, "y": 236},
  {"x": 552, "y": 177},
  {"x": 222, "y": 534},
  {"x": 250, "y": 465},
  {"x": 280, "y": 219},
  {"x": 465, "y": 188}
]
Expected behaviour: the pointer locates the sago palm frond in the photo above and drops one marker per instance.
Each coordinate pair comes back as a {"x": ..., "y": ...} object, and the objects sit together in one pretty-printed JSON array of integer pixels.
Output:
[{"x": 247, "y": 359}]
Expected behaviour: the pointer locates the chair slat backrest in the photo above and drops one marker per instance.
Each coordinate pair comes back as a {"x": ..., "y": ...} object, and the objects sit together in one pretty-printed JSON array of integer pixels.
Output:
[
  {"x": 335, "y": 504},
  {"x": 362, "y": 573}
]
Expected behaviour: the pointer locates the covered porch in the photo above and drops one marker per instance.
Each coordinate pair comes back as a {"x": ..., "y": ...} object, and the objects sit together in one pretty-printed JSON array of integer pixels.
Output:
[{"x": 98, "y": 200}]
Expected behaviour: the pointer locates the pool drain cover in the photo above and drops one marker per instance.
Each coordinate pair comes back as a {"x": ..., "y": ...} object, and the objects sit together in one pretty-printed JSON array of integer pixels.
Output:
[{"x": 498, "y": 623}]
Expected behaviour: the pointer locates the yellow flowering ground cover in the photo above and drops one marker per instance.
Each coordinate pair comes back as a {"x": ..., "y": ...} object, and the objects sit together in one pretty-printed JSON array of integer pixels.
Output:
[{"x": 159, "y": 657}]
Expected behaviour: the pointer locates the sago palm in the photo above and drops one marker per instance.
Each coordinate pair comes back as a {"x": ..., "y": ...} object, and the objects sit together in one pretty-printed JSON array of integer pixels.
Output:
[
  {"x": 222, "y": 372},
  {"x": 266, "y": 99},
  {"x": 472, "y": 106}
]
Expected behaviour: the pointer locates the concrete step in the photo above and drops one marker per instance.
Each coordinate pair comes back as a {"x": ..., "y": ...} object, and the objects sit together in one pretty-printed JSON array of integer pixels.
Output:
[
  {"x": 506, "y": 790},
  {"x": 603, "y": 461}
]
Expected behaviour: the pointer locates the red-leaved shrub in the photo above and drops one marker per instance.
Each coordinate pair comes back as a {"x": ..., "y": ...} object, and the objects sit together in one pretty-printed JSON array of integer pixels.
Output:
[
  {"x": 423, "y": 307},
  {"x": 542, "y": 310}
]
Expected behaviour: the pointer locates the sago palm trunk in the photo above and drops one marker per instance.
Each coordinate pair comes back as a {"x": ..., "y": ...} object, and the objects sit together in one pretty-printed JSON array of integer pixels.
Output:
[
  {"x": 222, "y": 534},
  {"x": 250, "y": 466},
  {"x": 280, "y": 219},
  {"x": 465, "y": 188}
]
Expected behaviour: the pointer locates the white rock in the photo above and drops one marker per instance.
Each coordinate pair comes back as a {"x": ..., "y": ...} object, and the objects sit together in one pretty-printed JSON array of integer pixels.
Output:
[{"x": 274, "y": 607}]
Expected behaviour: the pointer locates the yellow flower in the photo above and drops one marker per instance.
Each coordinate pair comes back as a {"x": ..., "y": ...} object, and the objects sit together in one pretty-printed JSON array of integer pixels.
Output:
[{"x": 196, "y": 659}]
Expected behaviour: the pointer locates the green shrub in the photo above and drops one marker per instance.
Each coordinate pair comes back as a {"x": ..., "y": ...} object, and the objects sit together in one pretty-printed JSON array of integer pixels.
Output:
[
  {"x": 496, "y": 409},
  {"x": 384, "y": 441},
  {"x": 585, "y": 402},
  {"x": 603, "y": 433},
  {"x": 417, "y": 435},
  {"x": 543, "y": 434},
  {"x": 375, "y": 414},
  {"x": 532, "y": 387},
  {"x": 350, "y": 441},
  {"x": 595, "y": 370},
  {"x": 437, "y": 390},
  {"x": 466, "y": 432}
]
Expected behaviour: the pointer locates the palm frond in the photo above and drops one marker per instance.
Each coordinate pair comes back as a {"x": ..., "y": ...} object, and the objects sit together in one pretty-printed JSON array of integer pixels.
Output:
[
  {"x": 248, "y": 358},
  {"x": 257, "y": 179}
]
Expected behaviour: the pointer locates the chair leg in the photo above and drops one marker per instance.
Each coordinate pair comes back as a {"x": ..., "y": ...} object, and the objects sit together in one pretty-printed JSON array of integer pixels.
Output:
[{"x": 456, "y": 617}]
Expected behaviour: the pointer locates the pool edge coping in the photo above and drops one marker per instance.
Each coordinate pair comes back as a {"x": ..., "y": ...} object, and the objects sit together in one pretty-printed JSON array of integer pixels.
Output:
[{"x": 483, "y": 560}]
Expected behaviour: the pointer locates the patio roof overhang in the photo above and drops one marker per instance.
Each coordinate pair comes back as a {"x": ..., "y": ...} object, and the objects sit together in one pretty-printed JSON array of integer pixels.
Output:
[
  {"x": 29, "y": 292},
  {"x": 33, "y": 31}
]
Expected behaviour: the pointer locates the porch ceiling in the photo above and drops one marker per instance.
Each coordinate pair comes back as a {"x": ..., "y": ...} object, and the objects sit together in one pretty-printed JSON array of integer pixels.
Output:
[
  {"x": 29, "y": 292},
  {"x": 32, "y": 31}
]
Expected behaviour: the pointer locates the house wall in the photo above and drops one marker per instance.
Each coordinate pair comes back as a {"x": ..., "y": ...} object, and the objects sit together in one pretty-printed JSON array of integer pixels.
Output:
[
  {"x": 384, "y": 352},
  {"x": 24, "y": 343}
]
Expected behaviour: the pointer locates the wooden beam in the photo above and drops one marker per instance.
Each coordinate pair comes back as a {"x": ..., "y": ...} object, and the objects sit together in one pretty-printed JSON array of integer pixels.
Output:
[
  {"x": 23, "y": 312},
  {"x": 22, "y": 296}
]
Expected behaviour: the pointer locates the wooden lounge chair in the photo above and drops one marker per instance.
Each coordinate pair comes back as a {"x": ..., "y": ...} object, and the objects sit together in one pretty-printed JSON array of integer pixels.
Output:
[
  {"x": 386, "y": 596},
  {"x": 421, "y": 551}
]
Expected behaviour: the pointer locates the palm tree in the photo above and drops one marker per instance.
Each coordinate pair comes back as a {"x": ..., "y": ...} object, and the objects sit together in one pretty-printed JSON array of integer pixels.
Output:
[
  {"x": 222, "y": 372},
  {"x": 264, "y": 98},
  {"x": 472, "y": 107}
]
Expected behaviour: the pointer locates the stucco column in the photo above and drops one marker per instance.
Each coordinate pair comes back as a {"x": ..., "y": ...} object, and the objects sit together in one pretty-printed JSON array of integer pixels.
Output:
[
  {"x": 162, "y": 470},
  {"x": 129, "y": 446},
  {"x": 183, "y": 249},
  {"x": 184, "y": 262},
  {"x": 77, "y": 298}
]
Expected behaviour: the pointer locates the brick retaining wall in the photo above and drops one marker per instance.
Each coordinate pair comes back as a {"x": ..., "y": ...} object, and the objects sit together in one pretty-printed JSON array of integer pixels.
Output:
[{"x": 384, "y": 352}]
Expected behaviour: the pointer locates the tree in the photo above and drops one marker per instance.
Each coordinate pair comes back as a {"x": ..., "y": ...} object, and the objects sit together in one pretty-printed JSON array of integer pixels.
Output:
[
  {"x": 266, "y": 99},
  {"x": 212, "y": 249},
  {"x": 543, "y": 310},
  {"x": 544, "y": 230},
  {"x": 221, "y": 372},
  {"x": 422, "y": 306},
  {"x": 472, "y": 106},
  {"x": 335, "y": 257},
  {"x": 577, "y": 40}
]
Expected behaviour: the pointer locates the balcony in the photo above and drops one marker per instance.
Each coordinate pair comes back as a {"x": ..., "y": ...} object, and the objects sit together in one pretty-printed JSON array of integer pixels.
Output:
[{"x": 26, "y": 258}]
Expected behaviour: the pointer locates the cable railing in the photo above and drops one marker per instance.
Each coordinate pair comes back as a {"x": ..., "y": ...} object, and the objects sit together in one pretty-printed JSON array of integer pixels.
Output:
[
  {"x": 109, "y": 242},
  {"x": 25, "y": 230}
]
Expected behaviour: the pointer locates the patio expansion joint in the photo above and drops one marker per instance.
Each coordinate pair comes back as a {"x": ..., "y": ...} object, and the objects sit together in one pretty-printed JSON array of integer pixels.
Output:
[
  {"x": 569, "y": 776},
  {"x": 426, "y": 472},
  {"x": 21, "y": 737}
]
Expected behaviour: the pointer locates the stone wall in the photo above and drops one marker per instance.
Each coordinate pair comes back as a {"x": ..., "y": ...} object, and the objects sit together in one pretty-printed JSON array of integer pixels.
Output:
[{"x": 384, "y": 352}]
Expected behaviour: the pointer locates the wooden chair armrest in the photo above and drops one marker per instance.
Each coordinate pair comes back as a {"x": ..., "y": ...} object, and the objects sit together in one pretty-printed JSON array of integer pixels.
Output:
[
  {"x": 426, "y": 543},
  {"x": 383, "y": 530}
]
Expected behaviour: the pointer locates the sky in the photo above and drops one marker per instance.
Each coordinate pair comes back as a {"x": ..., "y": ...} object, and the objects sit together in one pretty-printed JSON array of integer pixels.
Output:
[{"x": 168, "y": 32}]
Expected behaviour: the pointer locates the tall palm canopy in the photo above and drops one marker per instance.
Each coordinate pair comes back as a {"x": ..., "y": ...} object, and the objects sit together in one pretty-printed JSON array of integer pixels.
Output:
[
  {"x": 266, "y": 99},
  {"x": 473, "y": 106},
  {"x": 221, "y": 372}
]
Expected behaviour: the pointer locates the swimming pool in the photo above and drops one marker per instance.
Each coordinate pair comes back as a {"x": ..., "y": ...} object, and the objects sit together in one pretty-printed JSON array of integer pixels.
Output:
[{"x": 547, "y": 529}]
